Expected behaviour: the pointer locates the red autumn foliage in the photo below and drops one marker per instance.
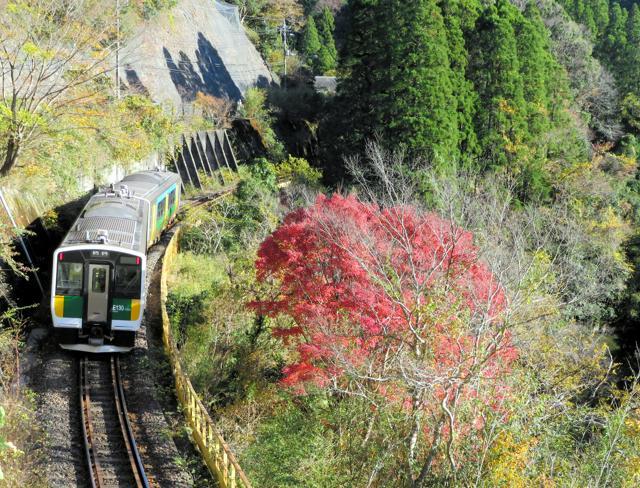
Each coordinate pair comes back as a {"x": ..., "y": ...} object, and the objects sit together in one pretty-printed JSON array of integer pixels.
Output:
[{"x": 394, "y": 298}]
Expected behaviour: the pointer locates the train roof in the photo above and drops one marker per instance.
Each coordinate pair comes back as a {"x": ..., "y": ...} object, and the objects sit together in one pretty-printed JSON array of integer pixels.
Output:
[{"x": 117, "y": 215}]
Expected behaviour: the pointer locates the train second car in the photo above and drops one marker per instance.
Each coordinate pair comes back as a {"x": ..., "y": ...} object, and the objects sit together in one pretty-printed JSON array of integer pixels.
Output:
[{"x": 98, "y": 279}]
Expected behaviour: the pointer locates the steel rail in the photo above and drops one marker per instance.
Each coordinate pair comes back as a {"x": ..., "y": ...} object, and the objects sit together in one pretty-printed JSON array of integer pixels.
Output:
[
  {"x": 127, "y": 432},
  {"x": 96, "y": 478},
  {"x": 93, "y": 465}
]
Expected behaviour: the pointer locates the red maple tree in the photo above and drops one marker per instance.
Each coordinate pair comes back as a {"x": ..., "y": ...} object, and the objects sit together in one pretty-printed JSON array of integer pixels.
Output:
[{"x": 390, "y": 303}]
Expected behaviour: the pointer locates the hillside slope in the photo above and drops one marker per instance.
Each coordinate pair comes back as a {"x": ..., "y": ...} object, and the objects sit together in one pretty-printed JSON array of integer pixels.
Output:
[{"x": 198, "y": 46}]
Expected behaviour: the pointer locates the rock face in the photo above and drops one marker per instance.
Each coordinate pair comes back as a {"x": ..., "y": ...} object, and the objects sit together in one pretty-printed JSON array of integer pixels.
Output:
[{"x": 199, "y": 45}]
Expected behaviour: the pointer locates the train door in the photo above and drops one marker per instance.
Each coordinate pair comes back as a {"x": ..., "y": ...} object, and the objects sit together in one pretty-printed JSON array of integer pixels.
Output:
[{"x": 98, "y": 293}]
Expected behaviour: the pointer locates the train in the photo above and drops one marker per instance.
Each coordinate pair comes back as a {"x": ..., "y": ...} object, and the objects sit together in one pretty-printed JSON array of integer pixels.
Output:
[{"x": 99, "y": 268}]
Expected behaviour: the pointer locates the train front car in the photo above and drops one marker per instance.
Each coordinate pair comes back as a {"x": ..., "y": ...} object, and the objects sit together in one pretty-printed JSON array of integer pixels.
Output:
[
  {"x": 98, "y": 298},
  {"x": 97, "y": 289}
]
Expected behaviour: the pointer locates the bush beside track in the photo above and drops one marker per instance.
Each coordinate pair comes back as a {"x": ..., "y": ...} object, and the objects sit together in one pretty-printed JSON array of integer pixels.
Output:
[{"x": 215, "y": 451}]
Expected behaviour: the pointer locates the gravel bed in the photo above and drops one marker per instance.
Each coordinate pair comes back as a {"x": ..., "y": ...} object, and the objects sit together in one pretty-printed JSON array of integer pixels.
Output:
[{"x": 53, "y": 376}]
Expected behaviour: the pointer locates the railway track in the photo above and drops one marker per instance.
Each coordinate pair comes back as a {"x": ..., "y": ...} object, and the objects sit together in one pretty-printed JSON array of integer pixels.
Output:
[{"x": 111, "y": 453}]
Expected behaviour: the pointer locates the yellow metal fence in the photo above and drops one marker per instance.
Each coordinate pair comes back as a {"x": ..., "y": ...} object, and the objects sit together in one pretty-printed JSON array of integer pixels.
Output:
[{"x": 215, "y": 451}]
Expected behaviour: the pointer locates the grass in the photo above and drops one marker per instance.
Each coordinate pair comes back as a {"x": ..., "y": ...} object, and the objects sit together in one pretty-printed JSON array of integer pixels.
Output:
[{"x": 21, "y": 457}]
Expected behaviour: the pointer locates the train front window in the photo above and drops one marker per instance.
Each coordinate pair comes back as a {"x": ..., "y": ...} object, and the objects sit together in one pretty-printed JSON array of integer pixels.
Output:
[
  {"x": 69, "y": 278},
  {"x": 128, "y": 277},
  {"x": 99, "y": 280}
]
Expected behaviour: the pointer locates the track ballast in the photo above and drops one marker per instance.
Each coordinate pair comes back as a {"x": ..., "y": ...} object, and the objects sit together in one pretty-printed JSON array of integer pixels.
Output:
[{"x": 112, "y": 457}]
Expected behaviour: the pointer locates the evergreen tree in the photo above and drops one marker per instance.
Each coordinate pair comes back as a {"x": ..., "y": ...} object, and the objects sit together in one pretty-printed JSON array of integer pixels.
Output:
[
  {"x": 630, "y": 76},
  {"x": 310, "y": 44},
  {"x": 612, "y": 46},
  {"x": 324, "y": 61},
  {"x": 495, "y": 70},
  {"x": 457, "y": 20},
  {"x": 326, "y": 28},
  {"x": 364, "y": 82},
  {"x": 539, "y": 72},
  {"x": 398, "y": 79},
  {"x": 600, "y": 10},
  {"x": 536, "y": 65},
  {"x": 420, "y": 107},
  {"x": 328, "y": 55}
]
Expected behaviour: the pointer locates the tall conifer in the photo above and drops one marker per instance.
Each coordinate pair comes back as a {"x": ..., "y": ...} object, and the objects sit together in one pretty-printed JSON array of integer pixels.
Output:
[
  {"x": 495, "y": 70},
  {"x": 613, "y": 44},
  {"x": 457, "y": 19},
  {"x": 631, "y": 70},
  {"x": 326, "y": 27},
  {"x": 364, "y": 82},
  {"x": 420, "y": 108},
  {"x": 310, "y": 43}
]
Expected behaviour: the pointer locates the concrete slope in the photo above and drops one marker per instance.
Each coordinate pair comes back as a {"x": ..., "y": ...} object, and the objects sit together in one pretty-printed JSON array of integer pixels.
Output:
[{"x": 199, "y": 46}]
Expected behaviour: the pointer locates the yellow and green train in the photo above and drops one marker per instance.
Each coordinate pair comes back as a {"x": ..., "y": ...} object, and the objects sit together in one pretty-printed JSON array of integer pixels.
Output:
[{"x": 98, "y": 279}]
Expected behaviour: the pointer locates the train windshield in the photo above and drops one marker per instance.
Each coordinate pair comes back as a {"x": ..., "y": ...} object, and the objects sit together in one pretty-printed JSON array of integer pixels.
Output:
[
  {"x": 128, "y": 277},
  {"x": 69, "y": 278}
]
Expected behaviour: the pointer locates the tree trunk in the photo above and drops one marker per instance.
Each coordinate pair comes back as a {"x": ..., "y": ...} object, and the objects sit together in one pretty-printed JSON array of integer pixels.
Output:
[{"x": 11, "y": 156}]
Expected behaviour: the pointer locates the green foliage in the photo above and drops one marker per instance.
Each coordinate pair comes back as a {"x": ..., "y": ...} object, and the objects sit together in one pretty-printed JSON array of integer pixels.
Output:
[
  {"x": 150, "y": 118},
  {"x": 263, "y": 20},
  {"x": 297, "y": 170},
  {"x": 33, "y": 34},
  {"x": 254, "y": 108},
  {"x": 262, "y": 172},
  {"x": 21, "y": 439},
  {"x": 631, "y": 112},
  {"x": 459, "y": 16},
  {"x": 419, "y": 101},
  {"x": 456, "y": 85},
  {"x": 151, "y": 8},
  {"x": 310, "y": 42},
  {"x": 399, "y": 78},
  {"x": 496, "y": 74},
  {"x": 328, "y": 54},
  {"x": 293, "y": 448},
  {"x": 227, "y": 350}
]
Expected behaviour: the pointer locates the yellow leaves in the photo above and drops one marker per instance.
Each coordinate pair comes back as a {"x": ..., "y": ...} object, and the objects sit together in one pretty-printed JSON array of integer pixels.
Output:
[
  {"x": 509, "y": 146},
  {"x": 34, "y": 51},
  {"x": 541, "y": 109},
  {"x": 632, "y": 472},
  {"x": 609, "y": 223},
  {"x": 632, "y": 428},
  {"x": 33, "y": 170},
  {"x": 629, "y": 164},
  {"x": 632, "y": 464},
  {"x": 574, "y": 171},
  {"x": 14, "y": 8},
  {"x": 508, "y": 461},
  {"x": 30, "y": 48},
  {"x": 540, "y": 274},
  {"x": 505, "y": 107}
]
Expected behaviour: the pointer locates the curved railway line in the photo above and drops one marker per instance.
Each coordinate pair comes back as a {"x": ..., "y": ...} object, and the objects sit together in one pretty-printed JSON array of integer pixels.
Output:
[
  {"x": 84, "y": 409},
  {"x": 110, "y": 448}
]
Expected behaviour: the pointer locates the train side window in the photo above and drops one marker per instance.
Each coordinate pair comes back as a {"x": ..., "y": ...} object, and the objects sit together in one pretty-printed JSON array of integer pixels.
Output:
[
  {"x": 69, "y": 278},
  {"x": 128, "y": 280},
  {"x": 160, "y": 211},
  {"x": 172, "y": 199}
]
